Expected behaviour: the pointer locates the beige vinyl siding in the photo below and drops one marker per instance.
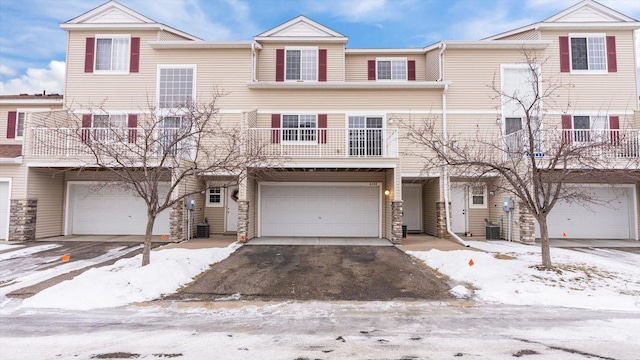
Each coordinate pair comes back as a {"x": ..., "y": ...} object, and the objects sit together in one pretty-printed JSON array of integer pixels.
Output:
[
  {"x": 430, "y": 198},
  {"x": 47, "y": 186},
  {"x": 413, "y": 155},
  {"x": 252, "y": 197},
  {"x": 357, "y": 65},
  {"x": 29, "y": 110},
  {"x": 432, "y": 72},
  {"x": 595, "y": 92},
  {"x": 472, "y": 73},
  {"x": 267, "y": 60},
  {"x": 215, "y": 215},
  {"x": 387, "y": 201},
  {"x": 525, "y": 35},
  {"x": 169, "y": 36},
  {"x": 18, "y": 175},
  {"x": 217, "y": 70}
]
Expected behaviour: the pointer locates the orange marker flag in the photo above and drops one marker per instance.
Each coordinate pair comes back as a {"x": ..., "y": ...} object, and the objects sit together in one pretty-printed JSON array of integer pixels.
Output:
[
  {"x": 471, "y": 262},
  {"x": 564, "y": 234},
  {"x": 66, "y": 258}
]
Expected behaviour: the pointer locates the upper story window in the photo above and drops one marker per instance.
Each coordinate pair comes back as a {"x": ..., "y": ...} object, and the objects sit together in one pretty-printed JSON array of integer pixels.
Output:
[
  {"x": 391, "y": 69},
  {"x": 301, "y": 64},
  {"x": 588, "y": 53},
  {"x": 15, "y": 124},
  {"x": 109, "y": 127},
  {"x": 176, "y": 86},
  {"x": 112, "y": 53},
  {"x": 20, "y": 125},
  {"x": 299, "y": 128}
]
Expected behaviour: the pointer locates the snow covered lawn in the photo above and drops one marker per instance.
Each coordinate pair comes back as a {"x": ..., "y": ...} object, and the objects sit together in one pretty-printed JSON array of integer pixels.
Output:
[{"x": 506, "y": 273}]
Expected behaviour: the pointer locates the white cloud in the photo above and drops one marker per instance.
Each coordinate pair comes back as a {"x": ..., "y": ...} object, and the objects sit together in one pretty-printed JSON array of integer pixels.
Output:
[
  {"x": 34, "y": 81},
  {"x": 5, "y": 70}
]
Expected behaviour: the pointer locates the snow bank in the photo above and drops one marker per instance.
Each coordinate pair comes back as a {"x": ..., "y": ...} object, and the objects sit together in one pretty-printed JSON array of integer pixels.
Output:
[
  {"x": 127, "y": 282},
  {"x": 506, "y": 273}
]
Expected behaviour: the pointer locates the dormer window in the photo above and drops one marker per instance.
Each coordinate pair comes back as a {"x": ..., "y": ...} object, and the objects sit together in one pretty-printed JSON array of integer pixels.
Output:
[
  {"x": 301, "y": 64},
  {"x": 391, "y": 69}
]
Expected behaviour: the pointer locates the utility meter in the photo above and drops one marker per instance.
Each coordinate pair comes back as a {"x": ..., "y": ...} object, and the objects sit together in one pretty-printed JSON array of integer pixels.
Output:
[
  {"x": 507, "y": 204},
  {"x": 191, "y": 203}
]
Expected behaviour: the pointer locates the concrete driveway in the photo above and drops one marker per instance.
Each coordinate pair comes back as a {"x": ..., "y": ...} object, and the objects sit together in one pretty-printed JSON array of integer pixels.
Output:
[{"x": 318, "y": 272}]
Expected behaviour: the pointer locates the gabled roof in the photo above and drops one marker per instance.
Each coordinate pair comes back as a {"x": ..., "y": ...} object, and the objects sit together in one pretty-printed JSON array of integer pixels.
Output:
[
  {"x": 301, "y": 29},
  {"x": 113, "y": 15},
  {"x": 587, "y": 14}
]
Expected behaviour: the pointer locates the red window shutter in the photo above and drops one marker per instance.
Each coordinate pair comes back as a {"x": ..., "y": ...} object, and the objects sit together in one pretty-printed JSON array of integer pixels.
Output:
[
  {"x": 132, "y": 124},
  {"x": 322, "y": 124},
  {"x": 275, "y": 128},
  {"x": 89, "y": 54},
  {"x": 11, "y": 124},
  {"x": 411, "y": 70},
  {"x": 280, "y": 65},
  {"x": 565, "y": 63},
  {"x": 322, "y": 65},
  {"x": 86, "y": 128},
  {"x": 371, "y": 69},
  {"x": 134, "y": 58},
  {"x": 614, "y": 127},
  {"x": 612, "y": 62},
  {"x": 566, "y": 129}
]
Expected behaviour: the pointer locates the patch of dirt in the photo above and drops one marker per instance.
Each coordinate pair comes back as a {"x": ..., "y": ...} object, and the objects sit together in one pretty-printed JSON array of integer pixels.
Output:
[
  {"x": 500, "y": 256},
  {"x": 525, "y": 352},
  {"x": 116, "y": 355}
]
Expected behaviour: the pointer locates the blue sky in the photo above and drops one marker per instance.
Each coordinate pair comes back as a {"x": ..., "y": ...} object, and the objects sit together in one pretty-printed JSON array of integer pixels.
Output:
[{"x": 32, "y": 45}]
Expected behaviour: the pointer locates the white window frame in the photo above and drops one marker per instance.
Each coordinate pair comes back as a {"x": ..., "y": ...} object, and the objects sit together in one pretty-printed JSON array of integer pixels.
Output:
[
  {"x": 126, "y": 61},
  {"x": 18, "y": 136},
  {"x": 484, "y": 204},
  {"x": 175, "y": 67},
  {"x": 298, "y": 129},
  {"x": 301, "y": 48},
  {"x": 221, "y": 193},
  {"x": 104, "y": 134},
  {"x": 391, "y": 60},
  {"x": 604, "y": 55},
  {"x": 587, "y": 135}
]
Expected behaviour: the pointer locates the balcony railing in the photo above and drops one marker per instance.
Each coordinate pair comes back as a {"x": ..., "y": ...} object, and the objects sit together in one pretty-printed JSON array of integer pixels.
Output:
[
  {"x": 326, "y": 143},
  {"x": 603, "y": 143},
  {"x": 74, "y": 142}
]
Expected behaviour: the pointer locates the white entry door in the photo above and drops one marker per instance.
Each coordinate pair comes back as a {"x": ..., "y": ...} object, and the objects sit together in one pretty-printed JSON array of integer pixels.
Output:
[
  {"x": 412, "y": 206},
  {"x": 231, "y": 223},
  {"x": 458, "y": 209},
  {"x": 4, "y": 210}
]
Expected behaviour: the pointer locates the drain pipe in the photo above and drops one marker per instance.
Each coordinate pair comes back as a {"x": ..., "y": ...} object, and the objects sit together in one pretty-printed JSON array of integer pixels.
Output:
[{"x": 445, "y": 171}]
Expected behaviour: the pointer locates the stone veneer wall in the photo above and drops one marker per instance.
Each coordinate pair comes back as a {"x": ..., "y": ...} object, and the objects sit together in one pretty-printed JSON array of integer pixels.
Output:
[
  {"x": 527, "y": 225},
  {"x": 243, "y": 220},
  {"x": 176, "y": 222},
  {"x": 22, "y": 221},
  {"x": 441, "y": 222},
  {"x": 396, "y": 222}
]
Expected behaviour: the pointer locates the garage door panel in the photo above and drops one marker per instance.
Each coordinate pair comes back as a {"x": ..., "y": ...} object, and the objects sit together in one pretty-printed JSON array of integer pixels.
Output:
[
  {"x": 316, "y": 210},
  {"x": 610, "y": 218},
  {"x": 112, "y": 210}
]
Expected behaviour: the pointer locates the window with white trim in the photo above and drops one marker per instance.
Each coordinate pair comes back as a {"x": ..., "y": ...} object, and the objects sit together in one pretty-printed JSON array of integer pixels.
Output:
[
  {"x": 20, "y": 117},
  {"x": 478, "y": 196},
  {"x": 588, "y": 52},
  {"x": 365, "y": 135},
  {"x": 173, "y": 135},
  {"x": 299, "y": 128},
  {"x": 176, "y": 87},
  {"x": 391, "y": 69},
  {"x": 214, "y": 196},
  {"x": 109, "y": 127},
  {"x": 586, "y": 127},
  {"x": 112, "y": 53},
  {"x": 301, "y": 64}
]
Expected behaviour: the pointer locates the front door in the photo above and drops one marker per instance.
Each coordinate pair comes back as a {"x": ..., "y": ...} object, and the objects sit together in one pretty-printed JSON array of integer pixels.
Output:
[
  {"x": 412, "y": 209},
  {"x": 458, "y": 209},
  {"x": 231, "y": 223}
]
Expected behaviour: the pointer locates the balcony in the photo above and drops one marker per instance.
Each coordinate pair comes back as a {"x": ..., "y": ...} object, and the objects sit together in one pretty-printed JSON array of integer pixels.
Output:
[
  {"x": 601, "y": 143},
  {"x": 326, "y": 143}
]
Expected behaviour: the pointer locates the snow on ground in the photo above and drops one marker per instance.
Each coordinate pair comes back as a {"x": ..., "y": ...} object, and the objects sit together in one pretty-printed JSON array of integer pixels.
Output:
[
  {"x": 506, "y": 273},
  {"x": 9, "y": 246},
  {"x": 23, "y": 252},
  {"x": 127, "y": 282}
]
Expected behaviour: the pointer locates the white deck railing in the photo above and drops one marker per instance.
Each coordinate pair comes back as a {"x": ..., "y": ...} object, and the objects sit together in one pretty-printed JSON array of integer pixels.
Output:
[{"x": 326, "y": 143}]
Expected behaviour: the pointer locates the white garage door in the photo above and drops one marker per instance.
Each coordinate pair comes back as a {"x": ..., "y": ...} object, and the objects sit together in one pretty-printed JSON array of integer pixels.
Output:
[
  {"x": 342, "y": 210},
  {"x": 613, "y": 217},
  {"x": 4, "y": 209},
  {"x": 112, "y": 210}
]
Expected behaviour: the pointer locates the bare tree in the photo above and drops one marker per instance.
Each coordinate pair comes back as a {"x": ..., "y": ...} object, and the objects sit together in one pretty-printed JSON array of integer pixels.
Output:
[
  {"x": 158, "y": 146},
  {"x": 534, "y": 161}
]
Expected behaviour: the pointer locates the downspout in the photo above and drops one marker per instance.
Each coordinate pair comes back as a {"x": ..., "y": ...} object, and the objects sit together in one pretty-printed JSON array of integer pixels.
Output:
[
  {"x": 445, "y": 168},
  {"x": 443, "y": 47},
  {"x": 253, "y": 61}
]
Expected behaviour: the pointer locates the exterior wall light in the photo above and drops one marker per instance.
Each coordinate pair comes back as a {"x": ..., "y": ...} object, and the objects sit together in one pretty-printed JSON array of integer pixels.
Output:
[{"x": 387, "y": 192}]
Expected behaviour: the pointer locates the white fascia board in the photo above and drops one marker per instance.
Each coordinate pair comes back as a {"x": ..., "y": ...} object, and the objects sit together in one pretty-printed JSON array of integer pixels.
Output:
[
  {"x": 184, "y": 44},
  {"x": 300, "y": 39},
  {"x": 385, "y": 51},
  {"x": 591, "y": 25},
  {"x": 364, "y": 85},
  {"x": 11, "y": 161},
  {"x": 33, "y": 102},
  {"x": 498, "y": 44},
  {"x": 128, "y": 27}
]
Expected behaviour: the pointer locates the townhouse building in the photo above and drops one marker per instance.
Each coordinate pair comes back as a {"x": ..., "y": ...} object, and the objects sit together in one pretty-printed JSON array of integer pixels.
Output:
[{"x": 335, "y": 118}]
